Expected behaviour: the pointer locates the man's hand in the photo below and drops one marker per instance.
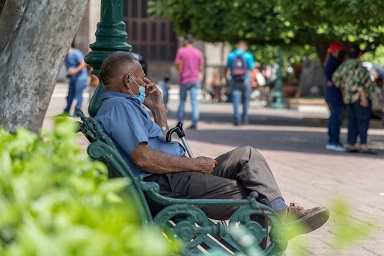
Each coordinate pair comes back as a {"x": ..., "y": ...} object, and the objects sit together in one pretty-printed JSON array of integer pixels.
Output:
[
  {"x": 153, "y": 99},
  {"x": 158, "y": 162},
  {"x": 71, "y": 72},
  {"x": 205, "y": 164},
  {"x": 364, "y": 102},
  {"x": 363, "y": 98}
]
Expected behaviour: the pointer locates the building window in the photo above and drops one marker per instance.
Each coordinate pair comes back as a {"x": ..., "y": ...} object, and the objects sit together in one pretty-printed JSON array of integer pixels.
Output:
[
  {"x": 144, "y": 8},
  {"x": 143, "y": 51},
  {"x": 134, "y": 31},
  {"x": 153, "y": 55},
  {"x": 163, "y": 32},
  {"x": 134, "y": 10},
  {"x": 154, "y": 39},
  {"x": 163, "y": 52},
  {"x": 144, "y": 32},
  {"x": 153, "y": 31}
]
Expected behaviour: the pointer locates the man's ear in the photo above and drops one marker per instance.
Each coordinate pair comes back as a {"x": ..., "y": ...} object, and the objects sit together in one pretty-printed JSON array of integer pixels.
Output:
[{"x": 125, "y": 81}]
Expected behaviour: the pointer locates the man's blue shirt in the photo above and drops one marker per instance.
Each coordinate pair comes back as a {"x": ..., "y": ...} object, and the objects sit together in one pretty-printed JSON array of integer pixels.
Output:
[
  {"x": 127, "y": 123},
  {"x": 72, "y": 61},
  {"x": 247, "y": 56}
]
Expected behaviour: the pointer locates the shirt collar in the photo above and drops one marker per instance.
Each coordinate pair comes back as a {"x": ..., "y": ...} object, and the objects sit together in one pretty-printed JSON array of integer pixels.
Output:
[{"x": 108, "y": 95}]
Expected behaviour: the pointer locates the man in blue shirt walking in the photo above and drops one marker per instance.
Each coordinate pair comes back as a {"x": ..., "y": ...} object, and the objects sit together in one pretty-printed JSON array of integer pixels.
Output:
[{"x": 77, "y": 73}]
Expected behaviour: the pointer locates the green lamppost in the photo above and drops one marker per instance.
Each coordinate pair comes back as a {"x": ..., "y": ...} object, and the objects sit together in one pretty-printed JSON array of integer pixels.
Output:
[
  {"x": 111, "y": 36},
  {"x": 277, "y": 95}
]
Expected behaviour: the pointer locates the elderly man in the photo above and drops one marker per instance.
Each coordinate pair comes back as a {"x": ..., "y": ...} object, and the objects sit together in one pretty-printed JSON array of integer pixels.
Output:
[{"x": 141, "y": 143}]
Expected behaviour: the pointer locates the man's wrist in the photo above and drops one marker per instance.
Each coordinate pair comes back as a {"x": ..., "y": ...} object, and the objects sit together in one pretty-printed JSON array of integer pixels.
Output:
[
  {"x": 157, "y": 107},
  {"x": 165, "y": 128}
]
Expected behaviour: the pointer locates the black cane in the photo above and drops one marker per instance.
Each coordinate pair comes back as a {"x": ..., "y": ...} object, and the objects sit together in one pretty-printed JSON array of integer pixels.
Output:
[{"x": 179, "y": 130}]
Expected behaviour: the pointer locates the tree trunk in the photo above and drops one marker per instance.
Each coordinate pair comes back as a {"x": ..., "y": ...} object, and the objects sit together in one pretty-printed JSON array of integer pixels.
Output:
[
  {"x": 2, "y": 2},
  {"x": 32, "y": 54},
  {"x": 322, "y": 51}
]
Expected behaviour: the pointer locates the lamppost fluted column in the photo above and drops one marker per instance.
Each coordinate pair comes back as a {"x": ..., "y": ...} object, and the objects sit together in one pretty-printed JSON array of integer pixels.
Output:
[{"x": 111, "y": 36}]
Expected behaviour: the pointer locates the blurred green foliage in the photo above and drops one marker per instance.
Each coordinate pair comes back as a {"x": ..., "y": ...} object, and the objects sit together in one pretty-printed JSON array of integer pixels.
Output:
[
  {"x": 376, "y": 56},
  {"x": 275, "y": 22},
  {"x": 55, "y": 201},
  {"x": 292, "y": 54},
  {"x": 287, "y": 23},
  {"x": 345, "y": 230}
]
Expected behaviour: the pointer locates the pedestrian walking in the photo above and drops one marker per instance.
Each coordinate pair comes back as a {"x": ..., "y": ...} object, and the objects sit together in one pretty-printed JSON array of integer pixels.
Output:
[
  {"x": 77, "y": 74},
  {"x": 333, "y": 97},
  {"x": 239, "y": 63},
  {"x": 216, "y": 85},
  {"x": 356, "y": 83},
  {"x": 189, "y": 62},
  {"x": 165, "y": 86}
]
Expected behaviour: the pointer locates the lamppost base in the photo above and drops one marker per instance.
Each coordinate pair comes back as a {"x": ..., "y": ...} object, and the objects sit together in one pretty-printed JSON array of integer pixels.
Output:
[{"x": 277, "y": 100}]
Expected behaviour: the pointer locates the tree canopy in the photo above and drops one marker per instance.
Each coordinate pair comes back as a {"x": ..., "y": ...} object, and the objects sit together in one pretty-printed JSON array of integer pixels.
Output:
[{"x": 278, "y": 22}]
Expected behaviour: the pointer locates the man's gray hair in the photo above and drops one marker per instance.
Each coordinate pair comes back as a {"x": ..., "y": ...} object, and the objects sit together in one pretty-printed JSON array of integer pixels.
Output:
[{"x": 116, "y": 65}]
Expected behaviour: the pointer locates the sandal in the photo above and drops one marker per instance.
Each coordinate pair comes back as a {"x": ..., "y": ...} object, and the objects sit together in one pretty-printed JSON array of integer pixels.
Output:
[{"x": 352, "y": 150}]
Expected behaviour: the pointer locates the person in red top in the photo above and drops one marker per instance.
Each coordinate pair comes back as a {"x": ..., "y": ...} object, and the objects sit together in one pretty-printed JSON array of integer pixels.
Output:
[{"x": 189, "y": 62}]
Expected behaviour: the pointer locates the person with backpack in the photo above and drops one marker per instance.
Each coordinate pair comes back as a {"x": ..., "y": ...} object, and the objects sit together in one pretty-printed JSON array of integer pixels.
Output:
[{"x": 240, "y": 62}]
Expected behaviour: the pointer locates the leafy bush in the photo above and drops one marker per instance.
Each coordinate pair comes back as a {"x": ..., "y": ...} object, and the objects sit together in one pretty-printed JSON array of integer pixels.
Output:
[{"x": 56, "y": 201}]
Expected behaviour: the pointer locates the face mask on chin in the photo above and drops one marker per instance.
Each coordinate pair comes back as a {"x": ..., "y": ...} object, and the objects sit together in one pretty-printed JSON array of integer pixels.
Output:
[{"x": 141, "y": 96}]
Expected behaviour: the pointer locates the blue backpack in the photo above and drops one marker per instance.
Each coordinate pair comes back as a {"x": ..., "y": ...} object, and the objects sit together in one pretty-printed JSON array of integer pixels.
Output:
[{"x": 239, "y": 68}]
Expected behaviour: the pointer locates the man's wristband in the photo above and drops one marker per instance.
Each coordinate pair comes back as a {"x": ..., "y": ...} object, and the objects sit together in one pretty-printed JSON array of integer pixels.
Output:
[{"x": 165, "y": 128}]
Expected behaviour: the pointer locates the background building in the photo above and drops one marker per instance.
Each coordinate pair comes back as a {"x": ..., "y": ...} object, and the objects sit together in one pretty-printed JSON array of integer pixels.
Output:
[{"x": 154, "y": 39}]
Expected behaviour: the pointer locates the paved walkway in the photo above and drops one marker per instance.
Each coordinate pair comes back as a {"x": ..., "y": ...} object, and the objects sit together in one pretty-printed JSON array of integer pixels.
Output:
[{"x": 293, "y": 145}]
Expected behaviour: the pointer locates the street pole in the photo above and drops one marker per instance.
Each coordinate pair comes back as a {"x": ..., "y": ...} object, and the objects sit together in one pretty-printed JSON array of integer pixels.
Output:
[
  {"x": 277, "y": 95},
  {"x": 111, "y": 36}
]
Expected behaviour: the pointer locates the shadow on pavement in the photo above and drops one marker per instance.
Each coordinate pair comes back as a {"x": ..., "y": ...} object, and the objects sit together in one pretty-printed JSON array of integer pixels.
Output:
[
  {"x": 280, "y": 133},
  {"x": 287, "y": 140}
]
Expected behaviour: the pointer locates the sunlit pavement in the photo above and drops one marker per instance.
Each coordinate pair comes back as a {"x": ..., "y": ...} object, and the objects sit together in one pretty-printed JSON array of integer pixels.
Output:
[{"x": 294, "y": 146}]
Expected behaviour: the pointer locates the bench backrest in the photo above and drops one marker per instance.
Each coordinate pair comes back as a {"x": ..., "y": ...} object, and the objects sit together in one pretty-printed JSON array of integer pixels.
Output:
[
  {"x": 103, "y": 149},
  {"x": 95, "y": 103}
]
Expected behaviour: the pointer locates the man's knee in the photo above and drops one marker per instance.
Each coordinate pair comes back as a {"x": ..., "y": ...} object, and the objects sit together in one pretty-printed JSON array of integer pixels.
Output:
[
  {"x": 248, "y": 150},
  {"x": 250, "y": 153}
]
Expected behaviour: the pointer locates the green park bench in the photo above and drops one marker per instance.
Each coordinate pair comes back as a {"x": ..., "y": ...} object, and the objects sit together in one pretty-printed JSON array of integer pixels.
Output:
[{"x": 184, "y": 217}]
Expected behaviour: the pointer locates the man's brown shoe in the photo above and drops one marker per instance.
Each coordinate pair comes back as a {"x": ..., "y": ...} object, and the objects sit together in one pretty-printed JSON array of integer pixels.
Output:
[{"x": 298, "y": 220}]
